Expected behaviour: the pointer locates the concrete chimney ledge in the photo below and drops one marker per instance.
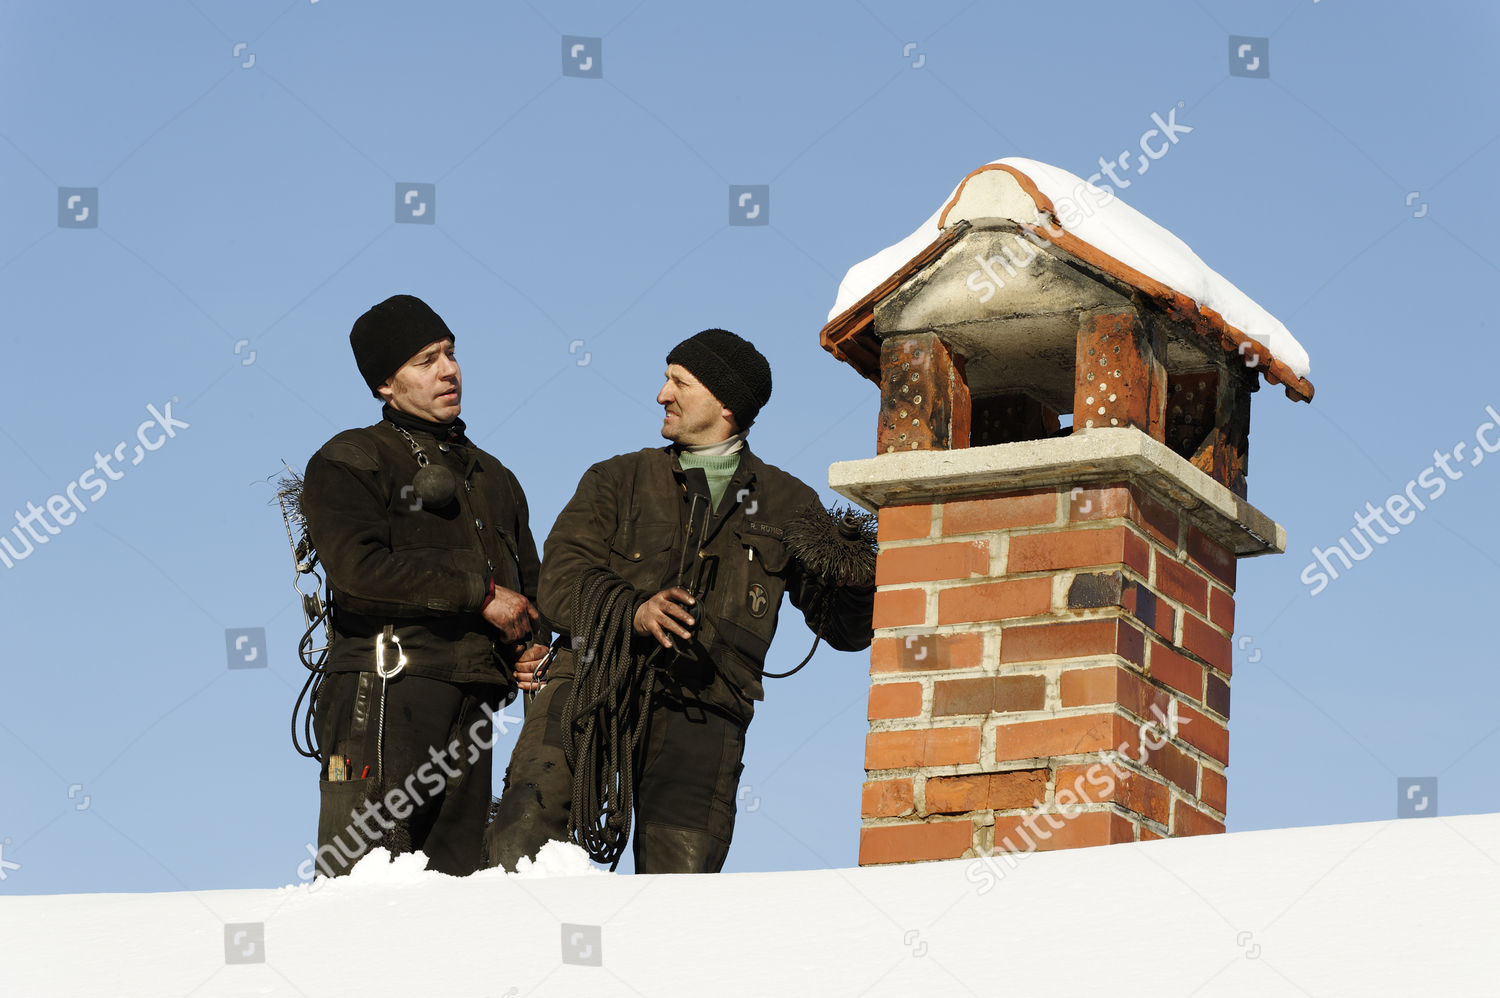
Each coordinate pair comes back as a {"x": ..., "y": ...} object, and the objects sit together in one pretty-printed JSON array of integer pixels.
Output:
[{"x": 1084, "y": 458}]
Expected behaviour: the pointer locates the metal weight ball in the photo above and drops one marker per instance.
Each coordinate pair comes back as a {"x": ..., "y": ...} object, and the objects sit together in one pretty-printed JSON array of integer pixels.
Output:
[{"x": 435, "y": 486}]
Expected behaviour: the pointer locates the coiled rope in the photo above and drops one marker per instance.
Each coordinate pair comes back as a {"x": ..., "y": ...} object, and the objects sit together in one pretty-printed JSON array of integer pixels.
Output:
[{"x": 605, "y": 717}]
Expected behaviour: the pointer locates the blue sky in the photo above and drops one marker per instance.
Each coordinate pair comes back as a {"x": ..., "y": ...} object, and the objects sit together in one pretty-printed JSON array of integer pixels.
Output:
[{"x": 247, "y": 159}]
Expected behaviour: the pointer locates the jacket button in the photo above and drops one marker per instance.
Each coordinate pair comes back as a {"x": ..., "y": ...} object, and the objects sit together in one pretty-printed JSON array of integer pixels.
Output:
[
  {"x": 443, "y": 448},
  {"x": 478, "y": 523}
]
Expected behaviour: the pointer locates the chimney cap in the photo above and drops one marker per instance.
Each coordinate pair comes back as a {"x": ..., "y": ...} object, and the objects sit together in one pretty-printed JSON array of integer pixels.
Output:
[{"x": 1104, "y": 233}]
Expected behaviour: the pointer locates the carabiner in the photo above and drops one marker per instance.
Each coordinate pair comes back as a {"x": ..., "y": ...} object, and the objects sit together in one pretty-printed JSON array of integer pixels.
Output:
[{"x": 380, "y": 640}]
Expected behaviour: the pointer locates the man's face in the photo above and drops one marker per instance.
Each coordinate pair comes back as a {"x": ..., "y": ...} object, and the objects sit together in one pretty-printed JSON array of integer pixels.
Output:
[
  {"x": 428, "y": 385},
  {"x": 693, "y": 415}
]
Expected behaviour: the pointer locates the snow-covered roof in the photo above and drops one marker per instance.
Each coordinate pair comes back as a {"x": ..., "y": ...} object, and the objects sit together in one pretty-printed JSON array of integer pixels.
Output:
[
  {"x": 1401, "y": 907},
  {"x": 1096, "y": 226}
]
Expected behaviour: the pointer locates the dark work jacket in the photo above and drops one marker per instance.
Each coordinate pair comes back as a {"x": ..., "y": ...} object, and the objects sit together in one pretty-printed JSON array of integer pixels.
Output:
[
  {"x": 630, "y": 516},
  {"x": 391, "y": 560}
]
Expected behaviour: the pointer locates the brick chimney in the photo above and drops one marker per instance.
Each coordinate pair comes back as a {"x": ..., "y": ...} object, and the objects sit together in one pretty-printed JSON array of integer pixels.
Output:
[{"x": 1055, "y": 611}]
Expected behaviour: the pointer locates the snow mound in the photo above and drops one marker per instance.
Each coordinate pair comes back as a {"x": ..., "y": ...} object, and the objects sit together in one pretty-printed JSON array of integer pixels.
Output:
[
  {"x": 1098, "y": 217},
  {"x": 379, "y": 868},
  {"x": 556, "y": 859}
]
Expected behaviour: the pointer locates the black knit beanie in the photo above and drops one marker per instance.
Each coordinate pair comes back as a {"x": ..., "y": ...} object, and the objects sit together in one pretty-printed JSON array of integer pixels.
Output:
[
  {"x": 390, "y": 334},
  {"x": 731, "y": 368}
]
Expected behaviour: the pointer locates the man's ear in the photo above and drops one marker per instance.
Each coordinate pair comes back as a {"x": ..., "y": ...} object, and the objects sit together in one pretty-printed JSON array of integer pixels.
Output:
[
  {"x": 385, "y": 392},
  {"x": 734, "y": 426}
]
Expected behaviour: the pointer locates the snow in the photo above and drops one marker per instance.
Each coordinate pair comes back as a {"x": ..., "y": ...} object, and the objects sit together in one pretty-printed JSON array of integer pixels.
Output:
[
  {"x": 378, "y": 869},
  {"x": 556, "y": 859},
  {"x": 1385, "y": 908},
  {"x": 1098, "y": 217}
]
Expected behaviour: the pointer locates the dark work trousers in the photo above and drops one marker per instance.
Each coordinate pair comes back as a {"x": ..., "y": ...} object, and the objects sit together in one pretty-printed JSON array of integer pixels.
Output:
[
  {"x": 437, "y": 763},
  {"x": 684, "y": 799}
]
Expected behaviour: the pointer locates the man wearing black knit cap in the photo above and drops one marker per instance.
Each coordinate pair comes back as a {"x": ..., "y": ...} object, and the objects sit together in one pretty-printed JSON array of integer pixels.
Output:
[
  {"x": 685, "y": 542},
  {"x": 426, "y": 545}
]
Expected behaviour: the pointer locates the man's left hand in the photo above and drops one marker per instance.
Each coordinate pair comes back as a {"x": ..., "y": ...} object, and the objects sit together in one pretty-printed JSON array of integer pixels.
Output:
[{"x": 526, "y": 668}]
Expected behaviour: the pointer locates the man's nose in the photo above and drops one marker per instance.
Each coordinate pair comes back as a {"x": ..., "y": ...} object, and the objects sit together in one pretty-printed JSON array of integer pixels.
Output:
[{"x": 665, "y": 395}]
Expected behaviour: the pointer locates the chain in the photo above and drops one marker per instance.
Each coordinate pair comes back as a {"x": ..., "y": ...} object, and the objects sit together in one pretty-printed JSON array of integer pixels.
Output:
[{"x": 412, "y": 443}]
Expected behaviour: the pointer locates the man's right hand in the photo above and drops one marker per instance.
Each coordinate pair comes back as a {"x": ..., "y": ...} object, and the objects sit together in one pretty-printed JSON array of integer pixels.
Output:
[
  {"x": 511, "y": 614},
  {"x": 665, "y": 614}
]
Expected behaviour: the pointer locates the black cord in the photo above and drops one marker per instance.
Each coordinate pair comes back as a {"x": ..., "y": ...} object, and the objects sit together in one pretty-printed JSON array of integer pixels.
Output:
[
  {"x": 825, "y": 617},
  {"x": 605, "y": 717},
  {"x": 309, "y": 689},
  {"x": 792, "y": 672}
]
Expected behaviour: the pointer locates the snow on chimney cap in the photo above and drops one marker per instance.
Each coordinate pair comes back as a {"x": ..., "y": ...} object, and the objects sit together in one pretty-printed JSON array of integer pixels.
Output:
[{"x": 1094, "y": 225}]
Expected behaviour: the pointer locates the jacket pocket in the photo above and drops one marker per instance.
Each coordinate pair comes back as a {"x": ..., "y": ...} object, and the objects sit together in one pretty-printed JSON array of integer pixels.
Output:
[
  {"x": 770, "y": 551},
  {"x": 635, "y": 543}
]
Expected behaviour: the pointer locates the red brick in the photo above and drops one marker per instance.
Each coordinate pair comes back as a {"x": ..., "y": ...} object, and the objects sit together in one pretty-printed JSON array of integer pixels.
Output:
[
  {"x": 921, "y": 747},
  {"x": 1179, "y": 582},
  {"x": 1147, "y": 835},
  {"x": 1023, "y": 509},
  {"x": 1074, "y": 639},
  {"x": 985, "y": 791},
  {"x": 1156, "y": 517},
  {"x": 1093, "y": 828},
  {"x": 1104, "y": 502},
  {"x": 1137, "y": 553},
  {"x": 1147, "y": 798},
  {"x": 1149, "y": 608},
  {"x": 1187, "y": 820},
  {"x": 1090, "y": 782},
  {"x": 926, "y": 652},
  {"x": 1177, "y": 766},
  {"x": 1211, "y": 557},
  {"x": 904, "y": 523},
  {"x": 995, "y": 600},
  {"x": 1119, "y": 500},
  {"x": 932, "y": 562},
  {"x": 957, "y": 794},
  {"x": 1145, "y": 701},
  {"x": 1205, "y": 734},
  {"x": 1080, "y": 687},
  {"x": 1166, "y": 620},
  {"x": 1062, "y": 736},
  {"x": 1221, "y": 608},
  {"x": 1203, "y": 640},
  {"x": 1017, "y": 788},
  {"x": 888, "y": 798},
  {"x": 1051, "y": 830},
  {"x": 895, "y": 700},
  {"x": 1215, "y": 790},
  {"x": 913, "y": 842},
  {"x": 988, "y": 694},
  {"x": 1177, "y": 671},
  {"x": 1097, "y": 783},
  {"x": 1111, "y": 685},
  {"x": 1076, "y": 548},
  {"x": 1216, "y": 698},
  {"x": 900, "y": 607},
  {"x": 963, "y": 696}
]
